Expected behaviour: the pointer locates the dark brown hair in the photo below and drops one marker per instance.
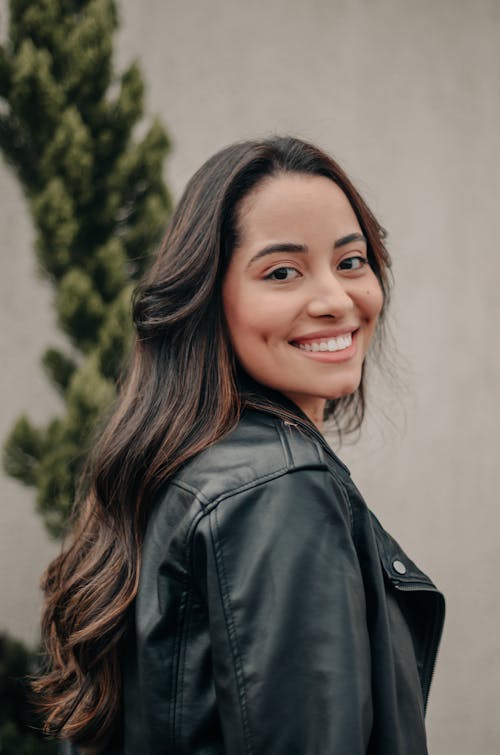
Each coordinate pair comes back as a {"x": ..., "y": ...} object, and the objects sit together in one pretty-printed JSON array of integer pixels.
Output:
[{"x": 180, "y": 394}]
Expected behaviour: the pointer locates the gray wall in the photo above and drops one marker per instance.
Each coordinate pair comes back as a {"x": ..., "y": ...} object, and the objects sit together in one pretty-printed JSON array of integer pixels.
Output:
[{"x": 406, "y": 96}]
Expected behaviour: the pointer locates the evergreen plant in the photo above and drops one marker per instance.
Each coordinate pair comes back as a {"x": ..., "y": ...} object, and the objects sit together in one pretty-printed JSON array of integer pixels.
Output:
[
  {"x": 18, "y": 732},
  {"x": 99, "y": 204}
]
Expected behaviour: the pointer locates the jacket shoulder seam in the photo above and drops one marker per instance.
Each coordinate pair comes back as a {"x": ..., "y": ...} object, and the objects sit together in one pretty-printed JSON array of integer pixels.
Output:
[
  {"x": 207, "y": 504},
  {"x": 198, "y": 495}
]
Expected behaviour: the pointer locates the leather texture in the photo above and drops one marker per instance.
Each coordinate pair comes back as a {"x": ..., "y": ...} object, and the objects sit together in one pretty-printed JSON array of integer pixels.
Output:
[{"x": 275, "y": 616}]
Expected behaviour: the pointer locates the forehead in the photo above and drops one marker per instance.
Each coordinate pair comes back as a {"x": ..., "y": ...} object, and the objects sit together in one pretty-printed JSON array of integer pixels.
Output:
[{"x": 294, "y": 204}]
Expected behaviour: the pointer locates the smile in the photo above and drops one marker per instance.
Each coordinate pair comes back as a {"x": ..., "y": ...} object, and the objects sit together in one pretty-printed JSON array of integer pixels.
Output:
[{"x": 327, "y": 344}]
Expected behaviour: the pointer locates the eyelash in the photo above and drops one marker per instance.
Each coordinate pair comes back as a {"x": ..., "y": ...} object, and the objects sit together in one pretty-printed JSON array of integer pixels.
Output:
[
  {"x": 362, "y": 261},
  {"x": 270, "y": 276}
]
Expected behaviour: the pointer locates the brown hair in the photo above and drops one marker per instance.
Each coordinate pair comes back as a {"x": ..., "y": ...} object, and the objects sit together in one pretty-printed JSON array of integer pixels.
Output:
[{"x": 162, "y": 419}]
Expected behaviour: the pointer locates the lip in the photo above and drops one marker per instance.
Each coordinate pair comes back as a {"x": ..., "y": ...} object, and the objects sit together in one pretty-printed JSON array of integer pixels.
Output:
[
  {"x": 321, "y": 335},
  {"x": 328, "y": 357}
]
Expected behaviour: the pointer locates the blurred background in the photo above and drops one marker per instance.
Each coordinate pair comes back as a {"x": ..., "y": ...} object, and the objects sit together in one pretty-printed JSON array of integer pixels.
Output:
[{"x": 406, "y": 96}]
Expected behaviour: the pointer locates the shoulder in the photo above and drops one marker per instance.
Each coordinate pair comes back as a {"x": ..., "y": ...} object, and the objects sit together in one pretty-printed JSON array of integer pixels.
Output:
[
  {"x": 262, "y": 447},
  {"x": 264, "y": 469}
]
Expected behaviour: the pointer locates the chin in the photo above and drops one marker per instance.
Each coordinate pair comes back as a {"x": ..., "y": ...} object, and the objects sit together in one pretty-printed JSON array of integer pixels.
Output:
[{"x": 346, "y": 389}]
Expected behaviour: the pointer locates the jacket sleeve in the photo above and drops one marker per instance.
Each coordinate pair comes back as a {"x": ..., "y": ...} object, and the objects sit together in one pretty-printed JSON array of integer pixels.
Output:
[{"x": 290, "y": 647}]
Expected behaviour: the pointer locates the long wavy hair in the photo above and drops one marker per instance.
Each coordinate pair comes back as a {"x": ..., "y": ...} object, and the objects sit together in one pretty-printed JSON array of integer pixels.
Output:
[{"x": 180, "y": 394}]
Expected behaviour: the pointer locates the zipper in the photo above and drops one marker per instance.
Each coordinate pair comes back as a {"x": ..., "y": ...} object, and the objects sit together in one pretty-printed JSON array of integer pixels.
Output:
[
  {"x": 414, "y": 586},
  {"x": 431, "y": 653}
]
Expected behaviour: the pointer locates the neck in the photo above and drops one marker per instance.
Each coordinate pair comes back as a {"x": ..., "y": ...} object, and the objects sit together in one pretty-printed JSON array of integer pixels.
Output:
[
  {"x": 315, "y": 414},
  {"x": 313, "y": 408}
]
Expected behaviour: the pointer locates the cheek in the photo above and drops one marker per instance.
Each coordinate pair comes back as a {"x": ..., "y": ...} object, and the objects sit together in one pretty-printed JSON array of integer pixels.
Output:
[
  {"x": 248, "y": 328},
  {"x": 242, "y": 319},
  {"x": 252, "y": 314},
  {"x": 373, "y": 301}
]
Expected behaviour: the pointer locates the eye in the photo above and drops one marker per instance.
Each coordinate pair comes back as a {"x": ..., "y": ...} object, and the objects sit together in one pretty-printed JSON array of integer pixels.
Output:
[
  {"x": 353, "y": 263},
  {"x": 282, "y": 274}
]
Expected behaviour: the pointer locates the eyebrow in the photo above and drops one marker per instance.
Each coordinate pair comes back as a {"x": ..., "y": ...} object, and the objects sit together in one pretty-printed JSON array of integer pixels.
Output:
[
  {"x": 287, "y": 246},
  {"x": 349, "y": 239},
  {"x": 284, "y": 246}
]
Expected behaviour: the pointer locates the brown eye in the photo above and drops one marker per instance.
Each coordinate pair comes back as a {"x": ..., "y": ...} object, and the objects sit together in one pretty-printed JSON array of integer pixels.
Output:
[
  {"x": 282, "y": 274},
  {"x": 353, "y": 263}
]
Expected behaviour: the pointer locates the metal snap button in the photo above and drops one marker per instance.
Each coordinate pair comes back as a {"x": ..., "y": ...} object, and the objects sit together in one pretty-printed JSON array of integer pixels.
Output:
[{"x": 398, "y": 566}]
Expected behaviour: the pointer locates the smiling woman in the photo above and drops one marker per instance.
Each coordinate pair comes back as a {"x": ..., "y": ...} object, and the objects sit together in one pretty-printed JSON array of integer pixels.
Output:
[
  {"x": 299, "y": 295},
  {"x": 225, "y": 588}
]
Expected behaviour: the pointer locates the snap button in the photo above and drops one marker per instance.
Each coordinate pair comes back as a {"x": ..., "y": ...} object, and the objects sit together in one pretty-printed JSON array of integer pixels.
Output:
[{"x": 398, "y": 566}]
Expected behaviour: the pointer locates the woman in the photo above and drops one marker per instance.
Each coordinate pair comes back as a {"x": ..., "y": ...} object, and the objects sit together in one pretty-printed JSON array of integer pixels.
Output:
[{"x": 226, "y": 589}]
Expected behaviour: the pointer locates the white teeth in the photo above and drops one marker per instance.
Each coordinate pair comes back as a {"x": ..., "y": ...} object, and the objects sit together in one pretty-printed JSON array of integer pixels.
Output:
[{"x": 330, "y": 344}]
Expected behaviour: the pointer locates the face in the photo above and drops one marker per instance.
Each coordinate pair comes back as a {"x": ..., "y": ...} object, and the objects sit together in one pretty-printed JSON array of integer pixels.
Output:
[{"x": 300, "y": 299}]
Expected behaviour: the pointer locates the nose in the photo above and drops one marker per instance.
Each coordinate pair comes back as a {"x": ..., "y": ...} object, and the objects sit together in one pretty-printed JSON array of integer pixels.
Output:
[{"x": 329, "y": 297}]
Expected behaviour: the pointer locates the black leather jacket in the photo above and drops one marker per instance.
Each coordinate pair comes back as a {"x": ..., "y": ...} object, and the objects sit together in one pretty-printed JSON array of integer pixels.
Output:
[{"x": 275, "y": 616}]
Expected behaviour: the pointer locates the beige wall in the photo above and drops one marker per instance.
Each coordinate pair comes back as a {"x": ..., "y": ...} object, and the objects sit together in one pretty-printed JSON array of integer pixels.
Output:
[{"x": 406, "y": 95}]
